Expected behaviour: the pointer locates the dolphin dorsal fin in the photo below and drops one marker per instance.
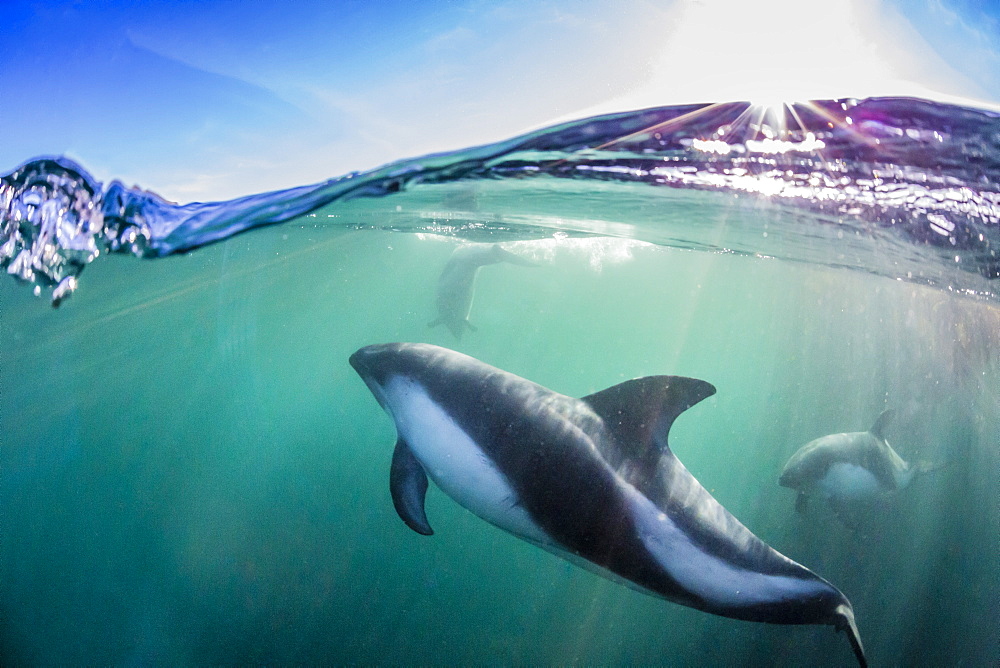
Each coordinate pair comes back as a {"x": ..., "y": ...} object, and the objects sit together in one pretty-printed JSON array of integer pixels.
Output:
[
  {"x": 639, "y": 414},
  {"x": 878, "y": 429}
]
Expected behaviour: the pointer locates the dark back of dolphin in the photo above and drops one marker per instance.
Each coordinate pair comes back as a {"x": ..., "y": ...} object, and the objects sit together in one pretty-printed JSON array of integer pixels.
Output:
[{"x": 572, "y": 463}]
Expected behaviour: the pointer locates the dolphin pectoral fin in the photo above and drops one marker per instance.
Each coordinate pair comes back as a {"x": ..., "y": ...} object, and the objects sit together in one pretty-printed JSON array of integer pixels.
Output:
[
  {"x": 878, "y": 429},
  {"x": 844, "y": 617},
  {"x": 801, "y": 502},
  {"x": 435, "y": 323},
  {"x": 408, "y": 486}
]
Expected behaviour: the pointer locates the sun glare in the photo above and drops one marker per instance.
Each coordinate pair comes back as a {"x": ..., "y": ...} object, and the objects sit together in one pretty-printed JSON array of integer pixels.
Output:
[
  {"x": 779, "y": 56},
  {"x": 775, "y": 53},
  {"x": 769, "y": 116}
]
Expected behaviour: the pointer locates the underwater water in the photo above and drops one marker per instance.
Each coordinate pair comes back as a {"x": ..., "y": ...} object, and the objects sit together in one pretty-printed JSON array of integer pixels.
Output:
[{"x": 191, "y": 473}]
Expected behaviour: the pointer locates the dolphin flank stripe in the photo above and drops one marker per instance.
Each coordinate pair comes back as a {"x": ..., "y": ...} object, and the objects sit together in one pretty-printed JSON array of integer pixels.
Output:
[
  {"x": 592, "y": 480},
  {"x": 593, "y": 522},
  {"x": 727, "y": 586},
  {"x": 590, "y": 521},
  {"x": 550, "y": 491}
]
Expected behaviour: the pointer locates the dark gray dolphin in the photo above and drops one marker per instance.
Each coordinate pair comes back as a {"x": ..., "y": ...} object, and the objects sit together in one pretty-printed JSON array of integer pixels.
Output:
[
  {"x": 592, "y": 480},
  {"x": 457, "y": 283},
  {"x": 849, "y": 467}
]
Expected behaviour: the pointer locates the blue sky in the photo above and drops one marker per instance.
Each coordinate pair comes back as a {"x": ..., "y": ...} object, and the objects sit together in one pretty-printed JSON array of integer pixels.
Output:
[{"x": 210, "y": 99}]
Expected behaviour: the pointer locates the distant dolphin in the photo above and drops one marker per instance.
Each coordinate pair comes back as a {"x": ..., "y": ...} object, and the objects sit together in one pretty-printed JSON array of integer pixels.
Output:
[
  {"x": 844, "y": 468},
  {"x": 592, "y": 480},
  {"x": 457, "y": 283}
]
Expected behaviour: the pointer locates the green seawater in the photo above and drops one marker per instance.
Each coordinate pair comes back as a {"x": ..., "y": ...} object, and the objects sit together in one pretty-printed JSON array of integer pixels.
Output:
[{"x": 192, "y": 474}]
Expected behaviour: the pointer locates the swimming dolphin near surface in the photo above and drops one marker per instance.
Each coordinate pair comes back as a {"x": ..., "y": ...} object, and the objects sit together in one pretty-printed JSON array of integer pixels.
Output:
[
  {"x": 850, "y": 467},
  {"x": 592, "y": 480},
  {"x": 457, "y": 283}
]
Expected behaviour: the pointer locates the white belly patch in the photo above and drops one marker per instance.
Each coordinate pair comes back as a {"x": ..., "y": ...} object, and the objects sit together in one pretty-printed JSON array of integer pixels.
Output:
[
  {"x": 849, "y": 482},
  {"x": 455, "y": 462}
]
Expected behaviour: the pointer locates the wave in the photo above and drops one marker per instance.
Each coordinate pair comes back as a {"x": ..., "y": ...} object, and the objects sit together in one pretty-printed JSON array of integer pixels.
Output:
[{"x": 906, "y": 188}]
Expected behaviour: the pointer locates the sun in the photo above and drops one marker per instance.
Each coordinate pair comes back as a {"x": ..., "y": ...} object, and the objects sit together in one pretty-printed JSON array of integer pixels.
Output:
[
  {"x": 774, "y": 54},
  {"x": 770, "y": 115}
]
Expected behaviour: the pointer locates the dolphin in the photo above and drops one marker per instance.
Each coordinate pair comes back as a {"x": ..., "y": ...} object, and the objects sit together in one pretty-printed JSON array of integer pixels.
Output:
[
  {"x": 592, "y": 480},
  {"x": 851, "y": 467},
  {"x": 457, "y": 283}
]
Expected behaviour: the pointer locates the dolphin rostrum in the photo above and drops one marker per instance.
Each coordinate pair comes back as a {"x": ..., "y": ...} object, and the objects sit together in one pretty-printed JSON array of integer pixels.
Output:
[
  {"x": 849, "y": 467},
  {"x": 457, "y": 283},
  {"x": 592, "y": 480}
]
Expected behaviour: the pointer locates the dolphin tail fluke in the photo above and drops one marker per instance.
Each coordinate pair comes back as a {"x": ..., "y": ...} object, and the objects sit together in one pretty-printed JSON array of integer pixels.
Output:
[
  {"x": 844, "y": 616},
  {"x": 408, "y": 485}
]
